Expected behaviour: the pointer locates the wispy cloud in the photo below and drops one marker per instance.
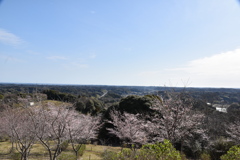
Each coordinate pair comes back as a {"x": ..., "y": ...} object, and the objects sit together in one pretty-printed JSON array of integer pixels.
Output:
[
  {"x": 75, "y": 66},
  {"x": 32, "y": 52},
  {"x": 9, "y": 38},
  {"x": 92, "y": 56},
  {"x": 148, "y": 73},
  {"x": 9, "y": 58},
  {"x": 128, "y": 48},
  {"x": 57, "y": 58},
  {"x": 223, "y": 64},
  {"x": 219, "y": 70},
  {"x": 79, "y": 65}
]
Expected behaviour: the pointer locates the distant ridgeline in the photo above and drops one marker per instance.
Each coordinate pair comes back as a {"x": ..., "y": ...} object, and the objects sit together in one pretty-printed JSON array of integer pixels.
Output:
[{"x": 71, "y": 92}]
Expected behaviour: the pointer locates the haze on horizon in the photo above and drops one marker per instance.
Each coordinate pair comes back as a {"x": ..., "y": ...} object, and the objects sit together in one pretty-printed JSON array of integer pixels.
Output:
[{"x": 139, "y": 43}]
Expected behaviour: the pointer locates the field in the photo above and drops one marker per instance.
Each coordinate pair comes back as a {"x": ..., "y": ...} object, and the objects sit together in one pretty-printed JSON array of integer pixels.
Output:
[{"x": 92, "y": 152}]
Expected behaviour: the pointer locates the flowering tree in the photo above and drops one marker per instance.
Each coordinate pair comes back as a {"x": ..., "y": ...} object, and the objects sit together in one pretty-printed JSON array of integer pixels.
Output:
[
  {"x": 17, "y": 125},
  {"x": 54, "y": 125},
  {"x": 49, "y": 124},
  {"x": 81, "y": 129},
  {"x": 233, "y": 130},
  {"x": 50, "y": 127},
  {"x": 128, "y": 127},
  {"x": 176, "y": 121}
]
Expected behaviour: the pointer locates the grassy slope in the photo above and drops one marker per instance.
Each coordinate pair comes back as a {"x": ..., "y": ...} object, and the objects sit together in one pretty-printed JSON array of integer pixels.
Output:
[{"x": 92, "y": 152}]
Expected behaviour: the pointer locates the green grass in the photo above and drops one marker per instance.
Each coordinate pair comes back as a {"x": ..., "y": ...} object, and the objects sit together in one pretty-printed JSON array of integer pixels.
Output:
[
  {"x": 94, "y": 152},
  {"x": 38, "y": 152},
  {"x": 53, "y": 102},
  {"x": 5, "y": 147}
]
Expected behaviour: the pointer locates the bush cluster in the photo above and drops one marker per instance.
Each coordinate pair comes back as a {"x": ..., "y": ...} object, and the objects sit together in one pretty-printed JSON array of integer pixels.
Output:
[
  {"x": 232, "y": 154},
  {"x": 160, "y": 151},
  {"x": 81, "y": 149}
]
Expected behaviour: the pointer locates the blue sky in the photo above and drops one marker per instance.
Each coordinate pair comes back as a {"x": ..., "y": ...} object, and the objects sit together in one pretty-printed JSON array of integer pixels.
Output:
[{"x": 121, "y": 42}]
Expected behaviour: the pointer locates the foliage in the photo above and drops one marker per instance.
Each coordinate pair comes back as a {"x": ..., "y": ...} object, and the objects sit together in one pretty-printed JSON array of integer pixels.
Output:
[
  {"x": 233, "y": 128},
  {"x": 56, "y": 95},
  {"x": 160, "y": 151},
  {"x": 89, "y": 105},
  {"x": 82, "y": 148},
  {"x": 219, "y": 148},
  {"x": 128, "y": 128},
  {"x": 135, "y": 104},
  {"x": 175, "y": 116},
  {"x": 232, "y": 154},
  {"x": 17, "y": 124},
  {"x": 53, "y": 126},
  {"x": 109, "y": 155},
  {"x": 86, "y": 130},
  {"x": 176, "y": 120},
  {"x": 64, "y": 145},
  {"x": 15, "y": 156},
  {"x": 205, "y": 156}
]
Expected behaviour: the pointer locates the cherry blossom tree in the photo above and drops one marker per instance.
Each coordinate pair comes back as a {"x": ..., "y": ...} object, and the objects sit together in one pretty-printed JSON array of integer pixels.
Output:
[
  {"x": 54, "y": 125},
  {"x": 50, "y": 127},
  {"x": 17, "y": 125},
  {"x": 82, "y": 128},
  {"x": 233, "y": 130},
  {"x": 50, "y": 124},
  {"x": 176, "y": 121},
  {"x": 129, "y": 128}
]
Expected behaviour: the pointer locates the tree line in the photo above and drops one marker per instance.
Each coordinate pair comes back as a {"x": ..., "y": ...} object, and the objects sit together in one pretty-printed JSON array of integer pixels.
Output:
[{"x": 191, "y": 125}]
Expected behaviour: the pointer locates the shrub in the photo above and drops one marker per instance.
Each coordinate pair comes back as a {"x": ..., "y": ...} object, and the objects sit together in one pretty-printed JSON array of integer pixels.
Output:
[
  {"x": 160, "y": 151},
  {"x": 64, "y": 145},
  {"x": 81, "y": 149},
  {"x": 205, "y": 156},
  {"x": 15, "y": 156},
  {"x": 232, "y": 154},
  {"x": 4, "y": 138},
  {"x": 125, "y": 154},
  {"x": 109, "y": 155},
  {"x": 219, "y": 148}
]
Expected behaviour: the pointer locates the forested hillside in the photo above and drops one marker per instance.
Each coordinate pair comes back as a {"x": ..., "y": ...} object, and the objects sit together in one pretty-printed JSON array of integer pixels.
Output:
[{"x": 129, "y": 116}]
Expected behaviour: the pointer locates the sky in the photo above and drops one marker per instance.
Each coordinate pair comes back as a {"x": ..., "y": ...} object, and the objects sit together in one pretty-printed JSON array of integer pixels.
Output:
[{"x": 121, "y": 42}]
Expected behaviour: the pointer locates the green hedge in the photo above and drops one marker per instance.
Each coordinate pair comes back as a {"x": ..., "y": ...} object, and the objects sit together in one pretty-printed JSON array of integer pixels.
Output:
[
  {"x": 159, "y": 151},
  {"x": 232, "y": 154}
]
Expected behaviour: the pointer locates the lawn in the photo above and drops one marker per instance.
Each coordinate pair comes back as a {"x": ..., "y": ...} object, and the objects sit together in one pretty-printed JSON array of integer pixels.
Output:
[{"x": 92, "y": 152}]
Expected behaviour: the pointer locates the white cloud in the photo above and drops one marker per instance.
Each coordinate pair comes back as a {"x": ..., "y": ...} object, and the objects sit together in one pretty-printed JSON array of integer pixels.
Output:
[
  {"x": 219, "y": 70},
  {"x": 56, "y": 58},
  {"x": 223, "y": 64},
  {"x": 9, "y": 38}
]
